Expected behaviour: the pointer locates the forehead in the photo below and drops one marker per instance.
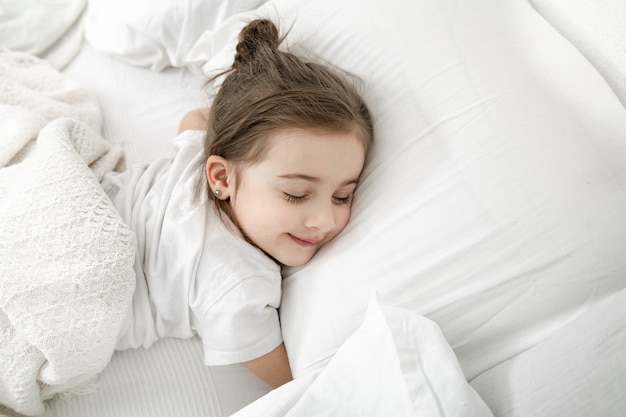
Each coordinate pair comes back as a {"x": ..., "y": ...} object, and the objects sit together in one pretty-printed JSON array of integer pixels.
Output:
[{"x": 318, "y": 153}]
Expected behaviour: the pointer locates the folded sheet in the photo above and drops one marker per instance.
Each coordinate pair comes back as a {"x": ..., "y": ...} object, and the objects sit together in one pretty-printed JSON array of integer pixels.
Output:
[{"x": 396, "y": 364}]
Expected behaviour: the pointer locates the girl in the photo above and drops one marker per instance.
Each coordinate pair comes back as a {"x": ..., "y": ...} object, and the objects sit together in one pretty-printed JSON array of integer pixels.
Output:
[{"x": 284, "y": 146}]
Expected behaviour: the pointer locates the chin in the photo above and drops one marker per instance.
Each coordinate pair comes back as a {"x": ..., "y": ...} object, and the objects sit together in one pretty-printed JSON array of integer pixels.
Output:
[{"x": 295, "y": 261}]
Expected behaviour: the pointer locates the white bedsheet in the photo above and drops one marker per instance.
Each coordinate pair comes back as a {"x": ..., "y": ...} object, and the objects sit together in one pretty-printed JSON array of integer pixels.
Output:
[{"x": 586, "y": 377}]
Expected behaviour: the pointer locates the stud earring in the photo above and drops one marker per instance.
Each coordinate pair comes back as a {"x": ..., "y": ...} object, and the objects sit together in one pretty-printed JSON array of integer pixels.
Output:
[{"x": 217, "y": 193}]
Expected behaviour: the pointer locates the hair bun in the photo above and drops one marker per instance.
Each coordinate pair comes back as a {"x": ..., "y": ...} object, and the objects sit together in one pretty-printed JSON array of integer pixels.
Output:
[{"x": 256, "y": 35}]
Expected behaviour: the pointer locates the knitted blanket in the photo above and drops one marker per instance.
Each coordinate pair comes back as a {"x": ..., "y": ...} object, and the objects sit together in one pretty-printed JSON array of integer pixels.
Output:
[{"x": 66, "y": 257}]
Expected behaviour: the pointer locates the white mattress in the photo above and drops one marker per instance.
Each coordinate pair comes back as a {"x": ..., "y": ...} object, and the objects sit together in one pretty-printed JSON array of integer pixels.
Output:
[
  {"x": 141, "y": 110},
  {"x": 169, "y": 379}
]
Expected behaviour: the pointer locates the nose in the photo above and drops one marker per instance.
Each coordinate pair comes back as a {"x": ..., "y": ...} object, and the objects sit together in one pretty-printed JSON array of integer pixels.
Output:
[{"x": 321, "y": 217}]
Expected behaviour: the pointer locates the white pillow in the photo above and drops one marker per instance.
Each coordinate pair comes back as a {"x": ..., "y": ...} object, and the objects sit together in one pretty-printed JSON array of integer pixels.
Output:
[
  {"x": 155, "y": 33},
  {"x": 396, "y": 364},
  {"x": 493, "y": 200}
]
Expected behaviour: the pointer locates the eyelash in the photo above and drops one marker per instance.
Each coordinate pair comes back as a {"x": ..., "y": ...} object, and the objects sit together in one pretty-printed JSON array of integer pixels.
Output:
[
  {"x": 296, "y": 199},
  {"x": 344, "y": 200}
]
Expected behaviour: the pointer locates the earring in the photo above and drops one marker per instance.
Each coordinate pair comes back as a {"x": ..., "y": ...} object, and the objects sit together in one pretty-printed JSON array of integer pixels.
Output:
[{"x": 217, "y": 193}]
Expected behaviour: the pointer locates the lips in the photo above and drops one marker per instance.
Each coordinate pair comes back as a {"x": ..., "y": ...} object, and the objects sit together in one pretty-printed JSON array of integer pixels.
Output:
[{"x": 305, "y": 243}]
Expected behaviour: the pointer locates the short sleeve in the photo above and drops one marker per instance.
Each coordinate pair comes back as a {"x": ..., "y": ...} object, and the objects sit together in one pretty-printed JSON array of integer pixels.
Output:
[{"x": 243, "y": 324}]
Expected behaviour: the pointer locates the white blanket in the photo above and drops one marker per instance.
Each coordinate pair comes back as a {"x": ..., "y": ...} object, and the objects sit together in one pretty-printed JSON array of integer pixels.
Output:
[
  {"x": 49, "y": 29},
  {"x": 159, "y": 33},
  {"x": 66, "y": 257}
]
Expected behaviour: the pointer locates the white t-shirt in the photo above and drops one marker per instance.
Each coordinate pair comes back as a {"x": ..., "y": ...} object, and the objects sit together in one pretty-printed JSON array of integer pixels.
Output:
[{"x": 194, "y": 275}]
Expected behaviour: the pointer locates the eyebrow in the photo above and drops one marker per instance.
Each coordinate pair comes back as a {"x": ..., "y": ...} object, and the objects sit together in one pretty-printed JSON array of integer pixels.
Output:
[{"x": 314, "y": 179}]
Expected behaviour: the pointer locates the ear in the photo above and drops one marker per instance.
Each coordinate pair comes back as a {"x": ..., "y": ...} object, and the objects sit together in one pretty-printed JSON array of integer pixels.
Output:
[{"x": 218, "y": 174}]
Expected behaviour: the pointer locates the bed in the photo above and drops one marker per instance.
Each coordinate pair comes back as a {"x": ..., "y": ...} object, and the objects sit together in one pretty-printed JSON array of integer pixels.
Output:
[{"x": 483, "y": 271}]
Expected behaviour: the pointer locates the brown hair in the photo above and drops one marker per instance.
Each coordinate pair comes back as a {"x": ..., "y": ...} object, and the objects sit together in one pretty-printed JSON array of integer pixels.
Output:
[{"x": 268, "y": 89}]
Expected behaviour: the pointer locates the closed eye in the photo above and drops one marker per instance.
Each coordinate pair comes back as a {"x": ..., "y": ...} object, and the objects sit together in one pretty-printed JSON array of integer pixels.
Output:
[
  {"x": 343, "y": 200},
  {"x": 294, "y": 198}
]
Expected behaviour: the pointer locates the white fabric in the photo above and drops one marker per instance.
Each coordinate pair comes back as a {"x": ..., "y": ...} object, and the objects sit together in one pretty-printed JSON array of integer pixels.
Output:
[
  {"x": 578, "y": 371},
  {"x": 396, "y": 364},
  {"x": 169, "y": 379},
  {"x": 193, "y": 273},
  {"x": 156, "y": 34},
  {"x": 145, "y": 121},
  {"x": 493, "y": 200},
  {"x": 50, "y": 30},
  {"x": 598, "y": 31},
  {"x": 67, "y": 276}
]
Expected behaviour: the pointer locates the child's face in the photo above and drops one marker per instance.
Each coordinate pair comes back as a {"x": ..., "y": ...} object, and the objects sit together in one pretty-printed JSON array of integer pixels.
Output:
[{"x": 298, "y": 197}]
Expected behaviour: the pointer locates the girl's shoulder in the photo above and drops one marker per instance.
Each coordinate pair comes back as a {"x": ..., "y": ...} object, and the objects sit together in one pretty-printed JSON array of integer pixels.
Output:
[
  {"x": 194, "y": 120},
  {"x": 231, "y": 249}
]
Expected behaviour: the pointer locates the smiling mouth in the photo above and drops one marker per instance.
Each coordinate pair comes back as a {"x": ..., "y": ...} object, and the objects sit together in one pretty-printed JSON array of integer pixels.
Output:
[{"x": 305, "y": 243}]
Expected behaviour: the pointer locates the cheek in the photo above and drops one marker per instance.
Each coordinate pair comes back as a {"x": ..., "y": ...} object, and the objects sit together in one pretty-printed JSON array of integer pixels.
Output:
[
  {"x": 271, "y": 212},
  {"x": 342, "y": 217},
  {"x": 279, "y": 215}
]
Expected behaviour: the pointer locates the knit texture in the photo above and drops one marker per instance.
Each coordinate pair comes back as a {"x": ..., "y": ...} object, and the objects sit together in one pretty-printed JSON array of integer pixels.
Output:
[{"x": 66, "y": 256}]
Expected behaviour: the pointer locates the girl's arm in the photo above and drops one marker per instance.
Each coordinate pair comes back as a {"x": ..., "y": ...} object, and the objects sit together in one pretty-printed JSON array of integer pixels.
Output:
[
  {"x": 194, "y": 120},
  {"x": 273, "y": 367}
]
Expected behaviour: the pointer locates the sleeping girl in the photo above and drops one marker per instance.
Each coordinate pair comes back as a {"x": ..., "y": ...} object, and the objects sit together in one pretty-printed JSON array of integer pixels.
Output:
[{"x": 262, "y": 179}]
